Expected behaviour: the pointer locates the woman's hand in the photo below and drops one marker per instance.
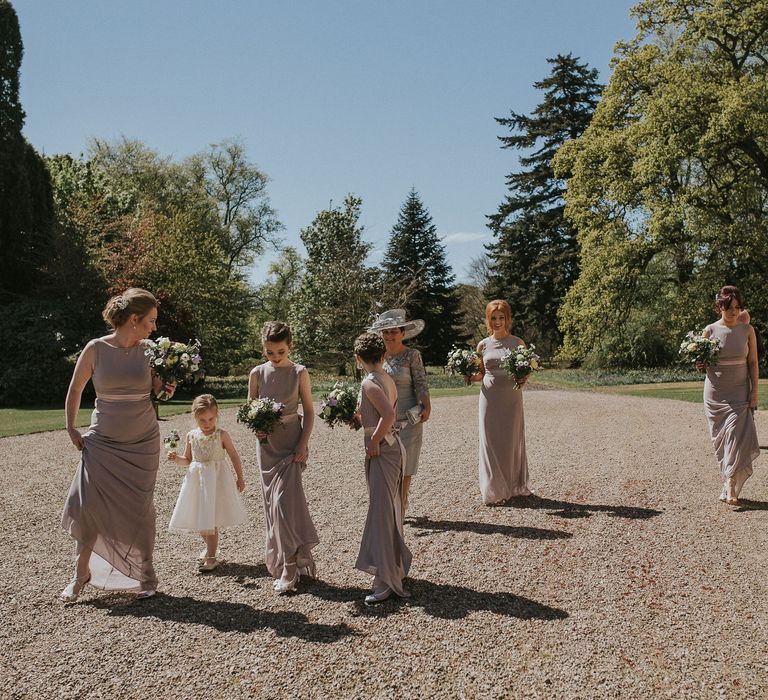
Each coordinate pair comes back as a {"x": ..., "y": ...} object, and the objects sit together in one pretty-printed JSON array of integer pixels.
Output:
[
  {"x": 240, "y": 484},
  {"x": 701, "y": 366},
  {"x": 522, "y": 380},
  {"x": 753, "y": 402},
  {"x": 425, "y": 413},
  {"x": 75, "y": 437},
  {"x": 170, "y": 388},
  {"x": 373, "y": 449},
  {"x": 356, "y": 423},
  {"x": 172, "y": 456},
  {"x": 301, "y": 454},
  {"x": 261, "y": 435}
]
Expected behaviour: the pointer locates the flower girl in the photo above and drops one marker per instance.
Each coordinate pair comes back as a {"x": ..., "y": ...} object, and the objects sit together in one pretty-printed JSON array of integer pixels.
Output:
[
  {"x": 282, "y": 456},
  {"x": 208, "y": 499}
]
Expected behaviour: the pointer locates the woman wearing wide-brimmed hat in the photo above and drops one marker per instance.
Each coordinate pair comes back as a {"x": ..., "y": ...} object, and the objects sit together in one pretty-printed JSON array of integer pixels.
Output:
[{"x": 406, "y": 367}]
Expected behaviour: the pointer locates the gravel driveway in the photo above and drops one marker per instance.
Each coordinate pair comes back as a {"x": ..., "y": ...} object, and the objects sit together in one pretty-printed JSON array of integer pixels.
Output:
[{"x": 626, "y": 578}]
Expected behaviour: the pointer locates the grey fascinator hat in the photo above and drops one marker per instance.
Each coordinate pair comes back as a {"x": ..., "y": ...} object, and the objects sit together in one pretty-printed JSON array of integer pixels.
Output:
[{"x": 395, "y": 318}]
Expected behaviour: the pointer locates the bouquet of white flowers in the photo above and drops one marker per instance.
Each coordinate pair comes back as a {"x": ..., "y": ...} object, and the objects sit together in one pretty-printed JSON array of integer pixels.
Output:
[
  {"x": 172, "y": 440},
  {"x": 174, "y": 362},
  {"x": 697, "y": 348},
  {"x": 339, "y": 405},
  {"x": 462, "y": 362},
  {"x": 261, "y": 415},
  {"x": 520, "y": 362}
]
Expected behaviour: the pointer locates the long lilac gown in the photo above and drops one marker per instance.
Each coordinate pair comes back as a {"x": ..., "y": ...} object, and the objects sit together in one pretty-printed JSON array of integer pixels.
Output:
[
  {"x": 110, "y": 507},
  {"x": 383, "y": 552},
  {"x": 503, "y": 467},
  {"x": 290, "y": 530},
  {"x": 726, "y": 404}
]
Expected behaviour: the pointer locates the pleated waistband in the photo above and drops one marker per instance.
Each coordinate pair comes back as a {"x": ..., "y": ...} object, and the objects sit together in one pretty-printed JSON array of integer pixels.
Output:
[
  {"x": 122, "y": 397},
  {"x": 731, "y": 363}
]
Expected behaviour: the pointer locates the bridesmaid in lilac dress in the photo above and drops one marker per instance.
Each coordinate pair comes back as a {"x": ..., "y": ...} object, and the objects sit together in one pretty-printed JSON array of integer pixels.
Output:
[
  {"x": 291, "y": 534},
  {"x": 730, "y": 393},
  {"x": 110, "y": 509},
  {"x": 503, "y": 462},
  {"x": 383, "y": 552}
]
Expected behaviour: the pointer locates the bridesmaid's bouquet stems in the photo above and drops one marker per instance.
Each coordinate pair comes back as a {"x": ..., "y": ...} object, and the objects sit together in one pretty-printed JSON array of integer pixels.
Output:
[
  {"x": 520, "y": 362},
  {"x": 261, "y": 415},
  {"x": 696, "y": 348},
  {"x": 174, "y": 362},
  {"x": 339, "y": 405}
]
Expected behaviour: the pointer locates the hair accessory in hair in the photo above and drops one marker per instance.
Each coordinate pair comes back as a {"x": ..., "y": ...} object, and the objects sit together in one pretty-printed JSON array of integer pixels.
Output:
[{"x": 121, "y": 302}]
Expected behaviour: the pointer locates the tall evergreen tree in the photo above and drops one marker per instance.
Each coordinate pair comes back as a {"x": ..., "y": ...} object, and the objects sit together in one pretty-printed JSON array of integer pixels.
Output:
[
  {"x": 415, "y": 264},
  {"x": 335, "y": 298},
  {"x": 26, "y": 203},
  {"x": 534, "y": 259}
]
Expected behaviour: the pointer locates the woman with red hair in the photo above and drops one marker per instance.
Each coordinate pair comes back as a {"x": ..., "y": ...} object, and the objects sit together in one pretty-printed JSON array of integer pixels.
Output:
[
  {"x": 730, "y": 393},
  {"x": 503, "y": 461}
]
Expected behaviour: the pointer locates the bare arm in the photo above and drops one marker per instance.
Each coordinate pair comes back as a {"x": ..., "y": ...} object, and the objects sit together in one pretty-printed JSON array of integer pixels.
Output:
[
  {"x": 82, "y": 373},
  {"x": 386, "y": 413},
  {"x": 305, "y": 394},
  {"x": 253, "y": 385},
  {"x": 752, "y": 367},
  {"x": 182, "y": 460},
  {"x": 229, "y": 448}
]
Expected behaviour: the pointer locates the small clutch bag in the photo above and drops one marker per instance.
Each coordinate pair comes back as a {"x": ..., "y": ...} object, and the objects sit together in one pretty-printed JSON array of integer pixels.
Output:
[{"x": 414, "y": 414}]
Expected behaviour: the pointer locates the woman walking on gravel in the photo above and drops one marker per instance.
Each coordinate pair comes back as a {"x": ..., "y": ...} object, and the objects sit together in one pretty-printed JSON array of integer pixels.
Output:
[
  {"x": 291, "y": 534},
  {"x": 406, "y": 368},
  {"x": 383, "y": 552},
  {"x": 110, "y": 510},
  {"x": 730, "y": 393},
  {"x": 503, "y": 461}
]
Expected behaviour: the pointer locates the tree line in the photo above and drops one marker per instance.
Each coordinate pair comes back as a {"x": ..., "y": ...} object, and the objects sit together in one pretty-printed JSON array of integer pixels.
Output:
[{"x": 632, "y": 202}]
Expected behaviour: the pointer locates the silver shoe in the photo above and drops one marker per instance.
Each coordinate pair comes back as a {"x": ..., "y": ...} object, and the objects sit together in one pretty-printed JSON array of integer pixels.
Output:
[{"x": 74, "y": 588}]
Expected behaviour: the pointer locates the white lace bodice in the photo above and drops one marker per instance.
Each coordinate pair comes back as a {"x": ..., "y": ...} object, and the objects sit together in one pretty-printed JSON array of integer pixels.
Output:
[{"x": 206, "y": 448}]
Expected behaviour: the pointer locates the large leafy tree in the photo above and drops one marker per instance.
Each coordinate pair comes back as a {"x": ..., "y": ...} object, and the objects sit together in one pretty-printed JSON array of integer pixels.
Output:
[
  {"x": 275, "y": 296},
  {"x": 335, "y": 300},
  {"x": 26, "y": 205},
  {"x": 669, "y": 183},
  {"x": 534, "y": 259},
  {"x": 416, "y": 266}
]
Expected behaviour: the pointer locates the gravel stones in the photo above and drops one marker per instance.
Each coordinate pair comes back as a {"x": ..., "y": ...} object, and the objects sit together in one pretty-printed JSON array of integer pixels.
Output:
[{"x": 626, "y": 577}]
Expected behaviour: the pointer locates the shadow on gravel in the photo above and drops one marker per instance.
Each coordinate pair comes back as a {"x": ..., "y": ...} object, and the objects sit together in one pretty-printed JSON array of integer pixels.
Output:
[
  {"x": 244, "y": 574},
  {"x": 440, "y": 600},
  {"x": 566, "y": 509},
  {"x": 524, "y": 533},
  {"x": 745, "y": 504},
  {"x": 227, "y": 617}
]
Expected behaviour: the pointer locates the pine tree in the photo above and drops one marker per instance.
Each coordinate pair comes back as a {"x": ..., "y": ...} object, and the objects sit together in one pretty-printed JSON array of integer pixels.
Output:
[
  {"x": 415, "y": 264},
  {"x": 534, "y": 259}
]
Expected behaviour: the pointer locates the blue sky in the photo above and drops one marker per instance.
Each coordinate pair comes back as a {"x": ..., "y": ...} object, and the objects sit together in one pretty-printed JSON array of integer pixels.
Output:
[{"x": 329, "y": 97}]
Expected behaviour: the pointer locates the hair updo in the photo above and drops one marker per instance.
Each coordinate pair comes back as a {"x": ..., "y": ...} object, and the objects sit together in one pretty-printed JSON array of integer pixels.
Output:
[
  {"x": 726, "y": 296},
  {"x": 203, "y": 403},
  {"x": 132, "y": 301},
  {"x": 370, "y": 347},
  {"x": 276, "y": 332}
]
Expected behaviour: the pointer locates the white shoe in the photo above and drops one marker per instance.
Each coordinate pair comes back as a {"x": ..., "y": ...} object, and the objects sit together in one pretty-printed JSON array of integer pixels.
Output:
[
  {"x": 74, "y": 588},
  {"x": 282, "y": 586},
  {"x": 379, "y": 596},
  {"x": 145, "y": 593}
]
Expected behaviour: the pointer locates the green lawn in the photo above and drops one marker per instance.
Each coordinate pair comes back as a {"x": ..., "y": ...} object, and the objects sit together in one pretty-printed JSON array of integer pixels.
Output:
[{"x": 37, "y": 419}]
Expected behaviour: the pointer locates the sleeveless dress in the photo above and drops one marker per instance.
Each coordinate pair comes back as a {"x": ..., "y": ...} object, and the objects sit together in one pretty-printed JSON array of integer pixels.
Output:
[
  {"x": 407, "y": 371},
  {"x": 208, "y": 498},
  {"x": 503, "y": 460},
  {"x": 290, "y": 530},
  {"x": 726, "y": 404},
  {"x": 383, "y": 552},
  {"x": 110, "y": 506}
]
